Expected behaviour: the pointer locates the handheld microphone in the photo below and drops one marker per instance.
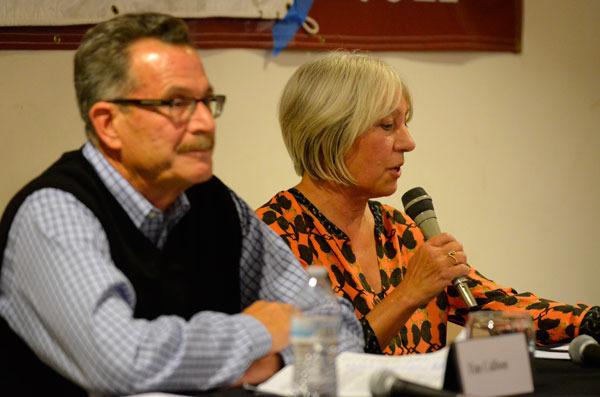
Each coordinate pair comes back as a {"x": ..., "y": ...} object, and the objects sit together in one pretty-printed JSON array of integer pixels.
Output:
[
  {"x": 419, "y": 206},
  {"x": 385, "y": 383},
  {"x": 584, "y": 349}
]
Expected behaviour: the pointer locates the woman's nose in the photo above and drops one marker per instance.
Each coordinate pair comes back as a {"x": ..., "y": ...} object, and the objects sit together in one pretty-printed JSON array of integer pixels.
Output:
[{"x": 405, "y": 141}]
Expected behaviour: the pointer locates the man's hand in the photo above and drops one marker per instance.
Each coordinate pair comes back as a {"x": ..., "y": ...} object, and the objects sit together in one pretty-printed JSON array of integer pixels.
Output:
[
  {"x": 276, "y": 317},
  {"x": 261, "y": 370}
]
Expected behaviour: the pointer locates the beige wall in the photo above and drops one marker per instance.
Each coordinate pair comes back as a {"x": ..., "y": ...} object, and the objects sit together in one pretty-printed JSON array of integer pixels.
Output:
[{"x": 507, "y": 144}]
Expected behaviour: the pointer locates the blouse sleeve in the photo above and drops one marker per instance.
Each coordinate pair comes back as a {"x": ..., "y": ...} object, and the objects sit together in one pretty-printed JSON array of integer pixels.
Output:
[
  {"x": 371, "y": 342},
  {"x": 590, "y": 325},
  {"x": 554, "y": 322}
]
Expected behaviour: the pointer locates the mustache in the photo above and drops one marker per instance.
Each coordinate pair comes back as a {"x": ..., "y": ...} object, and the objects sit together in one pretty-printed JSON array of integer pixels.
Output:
[{"x": 200, "y": 143}]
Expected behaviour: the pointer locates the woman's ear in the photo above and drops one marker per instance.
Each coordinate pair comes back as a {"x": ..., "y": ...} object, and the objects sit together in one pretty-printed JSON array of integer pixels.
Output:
[{"x": 103, "y": 116}]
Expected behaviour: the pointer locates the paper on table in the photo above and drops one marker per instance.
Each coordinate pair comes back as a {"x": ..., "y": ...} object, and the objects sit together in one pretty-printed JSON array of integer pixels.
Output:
[
  {"x": 561, "y": 348},
  {"x": 355, "y": 369},
  {"x": 156, "y": 395},
  {"x": 554, "y": 353}
]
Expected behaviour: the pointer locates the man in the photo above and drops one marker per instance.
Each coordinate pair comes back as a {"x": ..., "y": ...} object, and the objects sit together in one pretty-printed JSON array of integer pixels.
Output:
[{"x": 127, "y": 267}]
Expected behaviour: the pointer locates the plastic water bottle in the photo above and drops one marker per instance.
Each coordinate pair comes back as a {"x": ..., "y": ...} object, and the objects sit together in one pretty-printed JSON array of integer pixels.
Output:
[{"x": 314, "y": 339}]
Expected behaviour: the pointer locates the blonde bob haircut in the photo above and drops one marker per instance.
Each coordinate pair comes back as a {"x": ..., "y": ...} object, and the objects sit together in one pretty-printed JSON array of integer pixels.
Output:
[{"x": 328, "y": 103}]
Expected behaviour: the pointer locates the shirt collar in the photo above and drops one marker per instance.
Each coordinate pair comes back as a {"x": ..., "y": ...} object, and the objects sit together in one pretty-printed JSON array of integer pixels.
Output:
[{"x": 133, "y": 202}]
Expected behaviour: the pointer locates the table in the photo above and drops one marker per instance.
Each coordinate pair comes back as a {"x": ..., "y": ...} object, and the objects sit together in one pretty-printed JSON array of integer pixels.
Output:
[
  {"x": 552, "y": 378},
  {"x": 564, "y": 378}
]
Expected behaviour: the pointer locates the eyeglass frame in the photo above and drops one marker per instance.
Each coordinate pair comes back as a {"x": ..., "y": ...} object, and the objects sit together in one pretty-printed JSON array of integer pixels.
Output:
[{"x": 219, "y": 100}]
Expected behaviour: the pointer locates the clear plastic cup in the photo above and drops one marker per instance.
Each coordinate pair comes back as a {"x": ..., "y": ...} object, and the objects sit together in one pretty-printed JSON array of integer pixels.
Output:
[{"x": 484, "y": 324}]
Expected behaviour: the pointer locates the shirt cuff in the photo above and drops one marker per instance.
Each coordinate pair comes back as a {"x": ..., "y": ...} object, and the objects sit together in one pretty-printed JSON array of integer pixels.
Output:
[
  {"x": 287, "y": 355},
  {"x": 590, "y": 325},
  {"x": 371, "y": 342}
]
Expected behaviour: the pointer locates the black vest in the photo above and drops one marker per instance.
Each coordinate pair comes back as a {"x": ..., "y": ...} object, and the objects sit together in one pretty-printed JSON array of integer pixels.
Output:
[{"x": 196, "y": 270}]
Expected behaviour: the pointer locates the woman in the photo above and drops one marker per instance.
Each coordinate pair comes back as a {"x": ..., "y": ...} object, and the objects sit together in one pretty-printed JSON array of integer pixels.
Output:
[{"x": 344, "y": 119}]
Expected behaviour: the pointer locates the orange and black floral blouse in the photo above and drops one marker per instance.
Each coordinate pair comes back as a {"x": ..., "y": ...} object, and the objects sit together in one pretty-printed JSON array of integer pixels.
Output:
[{"x": 318, "y": 242}]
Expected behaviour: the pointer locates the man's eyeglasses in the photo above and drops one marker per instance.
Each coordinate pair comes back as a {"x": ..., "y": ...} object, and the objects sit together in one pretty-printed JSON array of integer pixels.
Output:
[{"x": 180, "y": 109}]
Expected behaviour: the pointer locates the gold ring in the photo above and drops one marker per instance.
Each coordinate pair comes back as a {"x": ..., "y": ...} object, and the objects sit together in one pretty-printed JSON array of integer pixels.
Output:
[{"x": 452, "y": 254}]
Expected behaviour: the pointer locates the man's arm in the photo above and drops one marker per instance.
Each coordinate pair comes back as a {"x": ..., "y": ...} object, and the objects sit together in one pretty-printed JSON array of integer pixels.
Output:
[{"x": 64, "y": 296}]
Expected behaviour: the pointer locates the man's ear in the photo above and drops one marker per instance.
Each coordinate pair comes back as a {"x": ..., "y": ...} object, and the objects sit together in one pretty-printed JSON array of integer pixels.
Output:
[{"x": 103, "y": 116}]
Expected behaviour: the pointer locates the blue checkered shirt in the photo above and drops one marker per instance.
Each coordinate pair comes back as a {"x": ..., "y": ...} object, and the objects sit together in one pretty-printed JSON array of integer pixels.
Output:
[{"x": 62, "y": 293}]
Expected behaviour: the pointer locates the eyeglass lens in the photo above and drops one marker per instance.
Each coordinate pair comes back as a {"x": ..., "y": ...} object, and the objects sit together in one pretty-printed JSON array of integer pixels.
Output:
[{"x": 183, "y": 110}]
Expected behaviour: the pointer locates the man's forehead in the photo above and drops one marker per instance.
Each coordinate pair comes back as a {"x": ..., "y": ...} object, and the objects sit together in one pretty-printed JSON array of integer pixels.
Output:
[
  {"x": 163, "y": 64},
  {"x": 153, "y": 50}
]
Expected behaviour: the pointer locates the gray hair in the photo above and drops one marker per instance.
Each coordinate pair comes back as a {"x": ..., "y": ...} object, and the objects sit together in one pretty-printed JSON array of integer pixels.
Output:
[
  {"x": 101, "y": 69},
  {"x": 328, "y": 103}
]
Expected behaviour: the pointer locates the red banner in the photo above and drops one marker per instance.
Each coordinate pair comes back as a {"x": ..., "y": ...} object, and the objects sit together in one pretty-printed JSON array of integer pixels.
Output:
[{"x": 375, "y": 25}]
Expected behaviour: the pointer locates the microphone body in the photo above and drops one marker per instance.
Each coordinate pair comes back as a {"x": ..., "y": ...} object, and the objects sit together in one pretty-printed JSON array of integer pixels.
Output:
[
  {"x": 385, "y": 383},
  {"x": 419, "y": 206},
  {"x": 584, "y": 349}
]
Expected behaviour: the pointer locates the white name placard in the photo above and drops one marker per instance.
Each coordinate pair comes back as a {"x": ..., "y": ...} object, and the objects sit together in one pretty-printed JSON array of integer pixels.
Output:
[{"x": 494, "y": 366}]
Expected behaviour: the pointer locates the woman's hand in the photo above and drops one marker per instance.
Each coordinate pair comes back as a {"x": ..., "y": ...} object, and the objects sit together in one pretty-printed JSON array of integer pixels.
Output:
[{"x": 435, "y": 264}]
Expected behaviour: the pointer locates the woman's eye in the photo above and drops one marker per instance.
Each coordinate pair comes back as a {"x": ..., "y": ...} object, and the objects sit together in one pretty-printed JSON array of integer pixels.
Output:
[{"x": 387, "y": 126}]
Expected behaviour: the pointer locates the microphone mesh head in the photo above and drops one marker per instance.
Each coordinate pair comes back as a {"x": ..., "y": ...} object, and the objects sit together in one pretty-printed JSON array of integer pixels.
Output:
[
  {"x": 381, "y": 383},
  {"x": 412, "y": 205},
  {"x": 577, "y": 345}
]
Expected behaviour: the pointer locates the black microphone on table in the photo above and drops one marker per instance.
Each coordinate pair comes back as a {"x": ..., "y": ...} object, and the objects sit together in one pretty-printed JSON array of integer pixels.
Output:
[
  {"x": 419, "y": 206},
  {"x": 385, "y": 383},
  {"x": 585, "y": 350}
]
